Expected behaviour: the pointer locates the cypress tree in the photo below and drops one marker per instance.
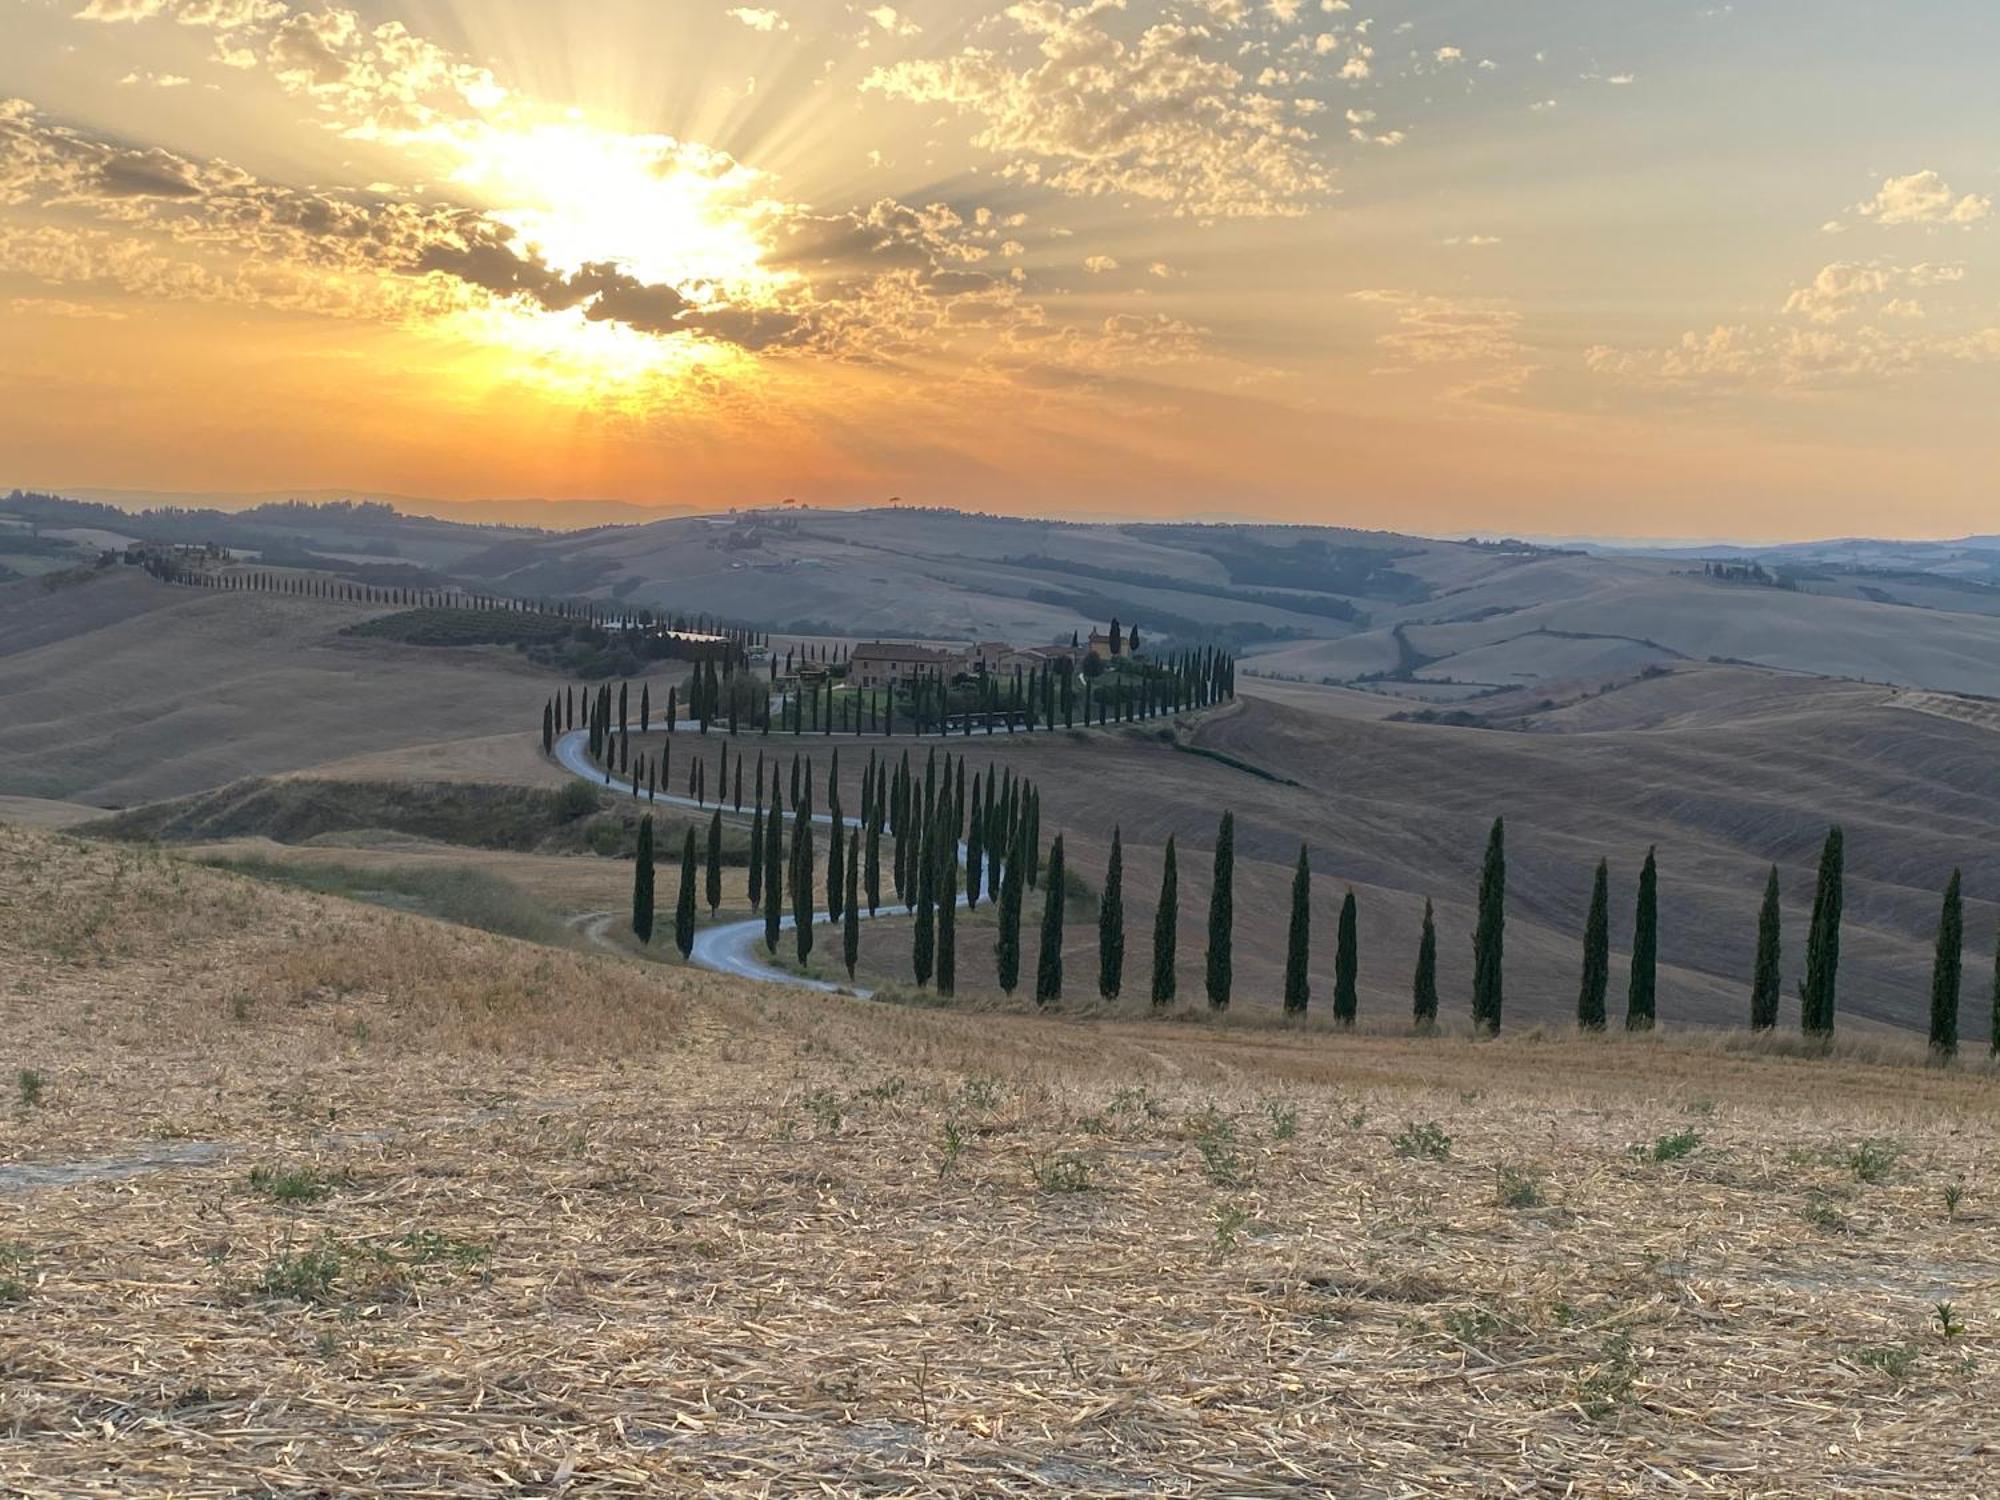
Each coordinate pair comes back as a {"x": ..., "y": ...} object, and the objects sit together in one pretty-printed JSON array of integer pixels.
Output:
[
  {"x": 1346, "y": 966},
  {"x": 642, "y": 883},
  {"x": 803, "y": 875},
  {"x": 1489, "y": 932},
  {"x": 975, "y": 848},
  {"x": 1641, "y": 993},
  {"x": 684, "y": 906},
  {"x": 1111, "y": 923},
  {"x": 874, "y": 856},
  {"x": 1596, "y": 954},
  {"x": 1298, "y": 940},
  {"x": 1032, "y": 811},
  {"x": 1765, "y": 980},
  {"x": 836, "y": 885},
  {"x": 1007, "y": 943},
  {"x": 1049, "y": 965},
  {"x": 947, "y": 919},
  {"x": 757, "y": 851},
  {"x": 1945, "y": 973},
  {"x": 713, "y": 882},
  {"x": 923, "y": 946},
  {"x": 1424, "y": 983},
  {"x": 1222, "y": 915},
  {"x": 774, "y": 861},
  {"x": 850, "y": 918},
  {"x": 1994, "y": 1004},
  {"x": 1817, "y": 989},
  {"x": 1166, "y": 930}
]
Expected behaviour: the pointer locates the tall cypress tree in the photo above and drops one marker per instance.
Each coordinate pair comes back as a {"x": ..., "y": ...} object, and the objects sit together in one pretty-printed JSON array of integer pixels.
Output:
[
  {"x": 850, "y": 915},
  {"x": 1049, "y": 965},
  {"x": 803, "y": 875},
  {"x": 923, "y": 946},
  {"x": 642, "y": 883},
  {"x": 1111, "y": 922},
  {"x": 874, "y": 858},
  {"x": 1596, "y": 954},
  {"x": 757, "y": 850},
  {"x": 947, "y": 917},
  {"x": 1166, "y": 932},
  {"x": 1994, "y": 1004},
  {"x": 1222, "y": 915},
  {"x": 713, "y": 882},
  {"x": 1424, "y": 983},
  {"x": 774, "y": 863},
  {"x": 1298, "y": 940},
  {"x": 1489, "y": 932},
  {"x": 975, "y": 846},
  {"x": 1007, "y": 943},
  {"x": 1945, "y": 974},
  {"x": 1765, "y": 980},
  {"x": 1641, "y": 993},
  {"x": 1817, "y": 989},
  {"x": 1346, "y": 966},
  {"x": 684, "y": 906}
]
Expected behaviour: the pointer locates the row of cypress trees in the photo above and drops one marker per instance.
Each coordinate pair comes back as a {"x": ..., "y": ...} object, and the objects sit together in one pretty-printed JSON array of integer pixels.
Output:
[{"x": 993, "y": 826}]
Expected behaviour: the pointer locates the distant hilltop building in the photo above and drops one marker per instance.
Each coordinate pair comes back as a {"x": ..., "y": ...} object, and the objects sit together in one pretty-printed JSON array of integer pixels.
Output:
[{"x": 888, "y": 664}]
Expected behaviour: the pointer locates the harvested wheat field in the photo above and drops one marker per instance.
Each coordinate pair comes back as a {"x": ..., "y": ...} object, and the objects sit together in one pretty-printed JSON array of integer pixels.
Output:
[{"x": 302, "y": 1197}]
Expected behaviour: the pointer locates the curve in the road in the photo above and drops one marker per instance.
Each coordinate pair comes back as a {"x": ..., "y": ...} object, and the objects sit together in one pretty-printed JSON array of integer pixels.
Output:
[{"x": 731, "y": 947}]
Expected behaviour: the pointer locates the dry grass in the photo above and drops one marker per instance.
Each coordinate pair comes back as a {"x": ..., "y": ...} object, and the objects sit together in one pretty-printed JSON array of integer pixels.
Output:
[{"x": 592, "y": 1228}]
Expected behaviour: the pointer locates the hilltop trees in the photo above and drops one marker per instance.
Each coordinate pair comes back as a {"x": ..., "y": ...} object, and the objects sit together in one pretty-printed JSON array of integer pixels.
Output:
[
  {"x": 1817, "y": 989},
  {"x": 642, "y": 883},
  {"x": 1945, "y": 974},
  {"x": 1222, "y": 915},
  {"x": 1424, "y": 983},
  {"x": 1111, "y": 922},
  {"x": 1049, "y": 964},
  {"x": 1166, "y": 931},
  {"x": 1346, "y": 966},
  {"x": 1298, "y": 940},
  {"x": 1765, "y": 979},
  {"x": 1641, "y": 1001},
  {"x": 1489, "y": 932},
  {"x": 1596, "y": 954}
]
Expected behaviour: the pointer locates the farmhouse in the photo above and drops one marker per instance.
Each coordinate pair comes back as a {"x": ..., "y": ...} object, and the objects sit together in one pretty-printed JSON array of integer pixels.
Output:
[{"x": 883, "y": 664}]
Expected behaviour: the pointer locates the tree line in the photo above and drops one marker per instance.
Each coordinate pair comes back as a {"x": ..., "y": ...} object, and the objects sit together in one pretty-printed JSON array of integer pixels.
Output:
[{"x": 947, "y": 833}]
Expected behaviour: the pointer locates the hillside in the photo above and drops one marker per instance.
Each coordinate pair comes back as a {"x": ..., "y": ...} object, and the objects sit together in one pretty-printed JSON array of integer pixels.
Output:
[{"x": 311, "y": 1197}]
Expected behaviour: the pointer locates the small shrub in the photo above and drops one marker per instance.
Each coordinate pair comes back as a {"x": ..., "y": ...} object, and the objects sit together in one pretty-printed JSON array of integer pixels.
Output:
[
  {"x": 883, "y": 1092},
  {"x": 1215, "y": 1139},
  {"x": 824, "y": 1106},
  {"x": 1061, "y": 1173},
  {"x": 429, "y": 1247},
  {"x": 1953, "y": 1194},
  {"x": 29, "y": 1081},
  {"x": 1893, "y": 1360},
  {"x": 14, "y": 1268},
  {"x": 951, "y": 1146},
  {"x": 1945, "y": 1316},
  {"x": 1134, "y": 1100},
  {"x": 978, "y": 1093},
  {"x": 577, "y": 799},
  {"x": 1518, "y": 1187},
  {"x": 1229, "y": 1223},
  {"x": 1673, "y": 1147},
  {"x": 293, "y": 1185},
  {"x": 1284, "y": 1119},
  {"x": 1870, "y": 1160},
  {"x": 1606, "y": 1384},
  {"x": 1821, "y": 1214},
  {"x": 303, "y": 1275},
  {"x": 1422, "y": 1139}
]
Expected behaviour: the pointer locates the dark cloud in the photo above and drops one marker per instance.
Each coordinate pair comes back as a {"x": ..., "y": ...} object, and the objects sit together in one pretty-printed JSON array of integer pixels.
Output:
[{"x": 147, "y": 174}]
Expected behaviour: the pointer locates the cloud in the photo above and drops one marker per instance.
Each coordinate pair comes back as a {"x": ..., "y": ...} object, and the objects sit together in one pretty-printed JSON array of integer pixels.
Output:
[
  {"x": 1159, "y": 117},
  {"x": 1097, "y": 265},
  {"x": 1845, "y": 288},
  {"x": 887, "y": 18},
  {"x": 759, "y": 20},
  {"x": 1923, "y": 198}
]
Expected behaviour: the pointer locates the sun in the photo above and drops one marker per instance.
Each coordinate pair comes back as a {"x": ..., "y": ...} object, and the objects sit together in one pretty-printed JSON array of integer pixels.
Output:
[{"x": 662, "y": 209}]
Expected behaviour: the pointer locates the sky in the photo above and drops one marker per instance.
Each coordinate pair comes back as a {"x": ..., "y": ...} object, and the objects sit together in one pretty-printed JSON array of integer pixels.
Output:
[{"x": 1664, "y": 269}]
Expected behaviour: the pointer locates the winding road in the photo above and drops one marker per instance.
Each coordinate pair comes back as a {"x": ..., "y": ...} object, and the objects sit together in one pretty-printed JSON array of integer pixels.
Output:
[{"x": 731, "y": 947}]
